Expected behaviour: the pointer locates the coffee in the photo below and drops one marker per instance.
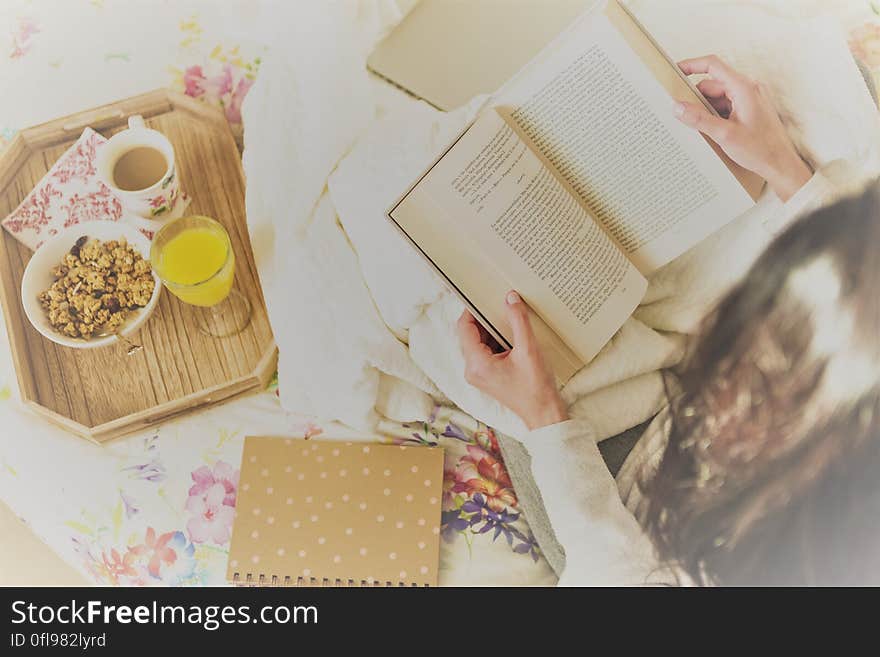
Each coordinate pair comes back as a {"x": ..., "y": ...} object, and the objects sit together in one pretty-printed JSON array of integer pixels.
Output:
[{"x": 140, "y": 168}]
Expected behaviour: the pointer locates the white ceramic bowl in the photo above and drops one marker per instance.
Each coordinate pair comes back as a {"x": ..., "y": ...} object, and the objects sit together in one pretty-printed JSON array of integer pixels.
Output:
[{"x": 38, "y": 278}]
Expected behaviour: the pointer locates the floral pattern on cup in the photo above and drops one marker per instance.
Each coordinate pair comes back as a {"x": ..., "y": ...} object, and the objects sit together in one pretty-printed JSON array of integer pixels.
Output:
[{"x": 165, "y": 202}]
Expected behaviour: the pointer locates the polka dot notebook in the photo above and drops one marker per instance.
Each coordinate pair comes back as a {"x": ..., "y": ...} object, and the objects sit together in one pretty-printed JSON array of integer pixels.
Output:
[{"x": 331, "y": 513}]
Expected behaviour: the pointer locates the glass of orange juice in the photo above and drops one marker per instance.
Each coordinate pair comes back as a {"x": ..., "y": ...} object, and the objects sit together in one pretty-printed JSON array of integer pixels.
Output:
[{"x": 194, "y": 258}]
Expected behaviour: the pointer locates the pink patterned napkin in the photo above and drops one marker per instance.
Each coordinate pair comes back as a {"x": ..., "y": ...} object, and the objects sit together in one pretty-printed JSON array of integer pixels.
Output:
[{"x": 69, "y": 194}]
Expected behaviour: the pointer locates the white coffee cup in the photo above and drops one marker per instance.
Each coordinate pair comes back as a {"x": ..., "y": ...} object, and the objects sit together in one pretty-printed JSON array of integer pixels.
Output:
[{"x": 151, "y": 207}]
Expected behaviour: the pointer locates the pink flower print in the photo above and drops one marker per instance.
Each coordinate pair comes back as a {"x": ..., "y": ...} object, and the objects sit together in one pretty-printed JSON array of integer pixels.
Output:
[
  {"x": 223, "y": 473},
  {"x": 212, "y": 520},
  {"x": 33, "y": 213},
  {"x": 233, "y": 109},
  {"x": 79, "y": 164},
  {"x": 452, "y": 485},
  {"x": 221, "y": 84},
  {"x": 227, "y": 89},
  {"x": 162, "y": 204},
  {"x": 22, "y": 38},
  {"x": 194, "y": 81},
  {"x": 212, "y": 503},
  {"x": 116, "y": 566},
  {"x": 308, "y": 429},
  {"x": 158, "y": 201},
  {"x": 168, "y": 557},
  {"x": 101, "y": 205},
  {"x": 483, "y": 472}
]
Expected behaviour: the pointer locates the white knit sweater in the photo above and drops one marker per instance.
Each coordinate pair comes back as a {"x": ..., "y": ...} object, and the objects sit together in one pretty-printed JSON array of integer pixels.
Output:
[{"x": 593, "y": 516}]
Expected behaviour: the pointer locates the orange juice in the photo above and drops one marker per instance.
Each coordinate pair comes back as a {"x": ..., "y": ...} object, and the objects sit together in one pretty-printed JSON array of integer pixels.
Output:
[{"x": 195, "y": 261}]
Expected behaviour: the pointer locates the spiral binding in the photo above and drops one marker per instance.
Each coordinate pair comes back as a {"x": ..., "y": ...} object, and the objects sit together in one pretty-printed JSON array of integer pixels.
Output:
[{"x": 261, "y": 579}]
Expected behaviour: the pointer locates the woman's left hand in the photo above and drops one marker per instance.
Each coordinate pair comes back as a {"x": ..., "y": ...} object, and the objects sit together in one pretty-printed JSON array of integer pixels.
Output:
[
  {"x": 520, "y": 378},
  {"x": 748, "y": 129}
]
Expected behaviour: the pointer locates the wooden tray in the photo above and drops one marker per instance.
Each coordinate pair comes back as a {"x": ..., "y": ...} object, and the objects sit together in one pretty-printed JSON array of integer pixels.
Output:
[{"x": 104, "y": 393}]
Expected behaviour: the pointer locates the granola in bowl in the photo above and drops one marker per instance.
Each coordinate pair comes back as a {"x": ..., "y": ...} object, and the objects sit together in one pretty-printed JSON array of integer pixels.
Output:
[{"x": 96, "y": 286}]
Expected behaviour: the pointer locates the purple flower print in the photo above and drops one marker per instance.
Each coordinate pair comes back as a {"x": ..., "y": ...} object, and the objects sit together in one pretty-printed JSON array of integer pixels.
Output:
[
  {"x": 153, "y": 470},
  {"x": 452, "y": 524},
  {"x": 128, "y": 503},
  {"x": 452, "y": 431}
]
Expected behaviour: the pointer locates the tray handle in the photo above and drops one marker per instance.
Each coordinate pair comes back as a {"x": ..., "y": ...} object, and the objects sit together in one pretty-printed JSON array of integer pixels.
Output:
[{"x": 100, "y": 116}]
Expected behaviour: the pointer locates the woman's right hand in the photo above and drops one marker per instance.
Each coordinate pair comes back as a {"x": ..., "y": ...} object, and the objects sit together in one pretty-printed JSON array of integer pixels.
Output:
[
  {"x": 520, "y": 378},
  {"x": 750, "y": 130}
]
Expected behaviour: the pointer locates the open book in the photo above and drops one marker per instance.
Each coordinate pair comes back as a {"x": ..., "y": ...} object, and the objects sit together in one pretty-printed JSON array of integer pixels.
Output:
[{"x": 573, "y": 184}]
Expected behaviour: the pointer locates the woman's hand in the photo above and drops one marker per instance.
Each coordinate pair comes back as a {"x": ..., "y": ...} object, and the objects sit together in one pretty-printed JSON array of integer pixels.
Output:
[
  {"x": 519, "y": 378},
  {"x": 750, "y": 132}
]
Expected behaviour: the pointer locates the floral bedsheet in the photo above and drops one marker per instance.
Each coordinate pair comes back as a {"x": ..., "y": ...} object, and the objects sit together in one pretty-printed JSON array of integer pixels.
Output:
[{"x": 156, "y": 508}]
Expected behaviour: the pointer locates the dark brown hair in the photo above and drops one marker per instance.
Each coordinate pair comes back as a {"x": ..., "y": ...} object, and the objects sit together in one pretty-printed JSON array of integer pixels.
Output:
[{"x": 772, "y": 471}]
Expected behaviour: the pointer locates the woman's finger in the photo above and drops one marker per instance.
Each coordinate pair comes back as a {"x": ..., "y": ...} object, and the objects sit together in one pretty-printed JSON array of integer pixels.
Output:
[
  {"x": 518, "y": 317},
  {"x": 470, "y": 339},
  {"x": 698, "y": 117},
  {"x": 489, "y": 340},
  {"x": 716, "y": 93},
  {"x": 478, "y": 357},
  {"x": 722, "y": 105},
  {"x": 717, "y": 68},
  {"x": 712, "y": 88}
]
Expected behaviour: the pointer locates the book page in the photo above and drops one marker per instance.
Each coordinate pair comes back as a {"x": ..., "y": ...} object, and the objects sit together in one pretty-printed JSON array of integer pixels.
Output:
[
  {"x": 595, "y": 111},
  {"x": 473, "y": 277},
  {"x": 492, "y": 189}
]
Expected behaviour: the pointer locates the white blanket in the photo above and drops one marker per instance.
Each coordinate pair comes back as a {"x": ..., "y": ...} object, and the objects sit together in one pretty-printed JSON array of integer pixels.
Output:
[{"x": 364, "y": 327}]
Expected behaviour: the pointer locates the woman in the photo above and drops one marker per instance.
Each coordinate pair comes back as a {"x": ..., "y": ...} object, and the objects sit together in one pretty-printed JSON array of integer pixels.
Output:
[{"x": 762, "y": 470}]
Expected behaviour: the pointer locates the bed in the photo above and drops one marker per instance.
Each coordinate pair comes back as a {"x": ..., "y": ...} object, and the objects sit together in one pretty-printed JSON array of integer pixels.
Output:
[{"x": 136, "y": 511}]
